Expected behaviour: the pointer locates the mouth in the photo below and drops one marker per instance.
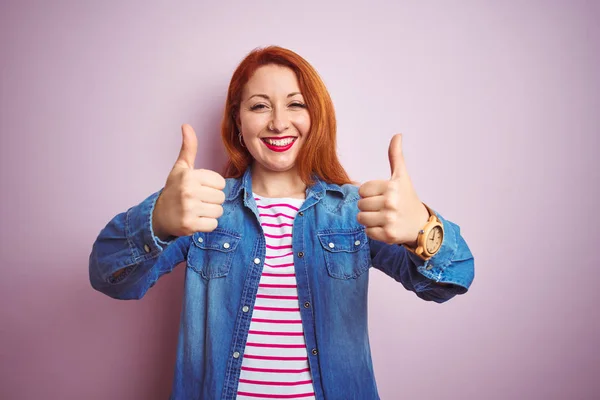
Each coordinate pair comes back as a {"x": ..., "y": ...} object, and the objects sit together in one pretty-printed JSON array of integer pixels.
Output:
[{"x": 279, "y": 144}]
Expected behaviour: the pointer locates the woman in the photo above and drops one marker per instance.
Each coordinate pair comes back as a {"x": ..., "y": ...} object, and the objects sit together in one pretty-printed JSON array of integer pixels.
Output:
[{"x": 277, "y": 252}]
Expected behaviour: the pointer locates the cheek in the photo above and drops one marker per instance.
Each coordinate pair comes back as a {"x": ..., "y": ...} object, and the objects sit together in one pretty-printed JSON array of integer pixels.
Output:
[
  {"x": 303, "y": 123},
  {"x": 252, "y": 124}
]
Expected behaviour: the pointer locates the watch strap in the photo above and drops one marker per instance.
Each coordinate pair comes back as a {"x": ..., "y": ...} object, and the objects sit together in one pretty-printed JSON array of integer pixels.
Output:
[{"x": 432, "y": 218}]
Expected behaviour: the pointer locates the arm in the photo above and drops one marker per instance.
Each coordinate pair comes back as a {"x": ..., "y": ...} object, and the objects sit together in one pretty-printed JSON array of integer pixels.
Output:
[
  {"x": 446, "y": 274},
  {"x": 127, "y": 258}
]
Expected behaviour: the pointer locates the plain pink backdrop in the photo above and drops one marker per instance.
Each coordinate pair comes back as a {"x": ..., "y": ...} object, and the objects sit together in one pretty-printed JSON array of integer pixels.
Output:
[{"x": 499, "y": 104}]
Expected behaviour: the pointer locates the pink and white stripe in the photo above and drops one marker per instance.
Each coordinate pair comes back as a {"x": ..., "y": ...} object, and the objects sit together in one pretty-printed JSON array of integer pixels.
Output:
[{"x": 275, "y": 362}]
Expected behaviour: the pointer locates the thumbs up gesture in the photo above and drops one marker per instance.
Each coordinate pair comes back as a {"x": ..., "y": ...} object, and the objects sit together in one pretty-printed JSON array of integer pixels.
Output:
[
  {"x": 191, "y": 199},
  {"x": 390, "y": 209}
]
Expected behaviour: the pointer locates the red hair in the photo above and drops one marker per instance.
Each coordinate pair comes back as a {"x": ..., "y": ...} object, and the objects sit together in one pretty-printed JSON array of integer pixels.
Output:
[{"x": 318, "y": 154}]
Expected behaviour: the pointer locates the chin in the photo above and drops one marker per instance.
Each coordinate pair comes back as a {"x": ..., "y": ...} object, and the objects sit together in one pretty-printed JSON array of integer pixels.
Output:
[
  {"x": 277, "y": 167},
  {"x": 282, "y": 168}
]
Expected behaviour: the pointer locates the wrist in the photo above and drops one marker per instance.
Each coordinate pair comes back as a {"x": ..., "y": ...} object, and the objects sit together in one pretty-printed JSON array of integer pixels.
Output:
[
  {"x": 156, "y": 227},
  {"x": 423, "y": 219}
]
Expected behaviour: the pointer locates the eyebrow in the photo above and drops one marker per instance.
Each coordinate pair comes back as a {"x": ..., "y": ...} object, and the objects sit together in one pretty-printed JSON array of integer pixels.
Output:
[{"x": 264, "y": 96}]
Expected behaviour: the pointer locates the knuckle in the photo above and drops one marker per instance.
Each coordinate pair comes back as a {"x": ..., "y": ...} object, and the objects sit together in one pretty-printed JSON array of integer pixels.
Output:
[
  {"x": 365, "y": 188},
  {"x": 361, "y": 204},
  {"x": 207, "y": 224},
  {"x": 389, "y": 218},
  {"x": 185, "y": 224},
  {"x": 389, "y": 202},
  {"x": 185, "y": 193},
  {"x": 388, "y": 231},
  {"x": 211, "y": 224},
  {"x": 185, "y": 177}
]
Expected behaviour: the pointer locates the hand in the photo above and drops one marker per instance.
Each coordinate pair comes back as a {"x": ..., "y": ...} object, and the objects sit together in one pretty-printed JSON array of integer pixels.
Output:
[
  {"x": 191, "y": 199},
  {"x": 390, "y": 209}
]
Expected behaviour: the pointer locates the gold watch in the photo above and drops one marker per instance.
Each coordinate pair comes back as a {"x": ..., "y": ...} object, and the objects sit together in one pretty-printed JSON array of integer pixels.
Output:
[{"x": 430, "y": 237}]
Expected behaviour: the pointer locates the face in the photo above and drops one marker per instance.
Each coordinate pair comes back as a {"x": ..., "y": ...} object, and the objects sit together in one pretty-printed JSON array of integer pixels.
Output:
[{"x": 273, "y": 118}]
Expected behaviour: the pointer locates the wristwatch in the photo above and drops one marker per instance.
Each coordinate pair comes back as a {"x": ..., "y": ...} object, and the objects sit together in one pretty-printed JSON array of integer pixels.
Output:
[{"x": 429, "y": 239}]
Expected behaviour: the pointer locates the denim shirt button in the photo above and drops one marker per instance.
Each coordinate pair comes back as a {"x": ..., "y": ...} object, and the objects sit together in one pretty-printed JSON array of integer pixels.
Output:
[
  {"x": 306, "y": 304},
  {"x": 314, "y": 352},
  {"x": 429, "y": 267},
  {"x": 357, "y": 243},
  {"x": 245, "y": 309},
  {"x": 147, "y": 248},
  {"x": 226, "y": 245},
  {"x": 236, "y": 354},
  {"x": 331, "y": 245},
  {"x": 257, "y": 261},
  {"x": 300, "y": 254},
  {"x": 301, "y": 213}
]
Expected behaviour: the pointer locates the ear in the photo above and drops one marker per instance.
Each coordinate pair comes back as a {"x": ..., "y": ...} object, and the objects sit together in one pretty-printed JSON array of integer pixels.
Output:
[{"x": 238, "y": 121}]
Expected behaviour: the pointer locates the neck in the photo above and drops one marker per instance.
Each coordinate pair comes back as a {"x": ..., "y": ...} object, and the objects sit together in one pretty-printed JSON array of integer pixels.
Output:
[{"x": 268, "y": 183}]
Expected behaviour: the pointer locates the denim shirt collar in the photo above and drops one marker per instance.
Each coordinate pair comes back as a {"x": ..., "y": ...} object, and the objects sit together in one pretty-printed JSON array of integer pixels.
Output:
[{"x": 316, "y": 190}]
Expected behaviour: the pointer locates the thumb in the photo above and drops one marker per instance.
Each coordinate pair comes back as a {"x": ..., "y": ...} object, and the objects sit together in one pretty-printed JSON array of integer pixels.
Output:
[
  {"x": 396, "y": 157},
  {"x": 189, "y": 147}
]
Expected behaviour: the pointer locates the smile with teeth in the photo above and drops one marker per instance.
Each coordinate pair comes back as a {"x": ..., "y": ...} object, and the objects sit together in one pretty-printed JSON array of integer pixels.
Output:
[{"x": 279, "y": 142}]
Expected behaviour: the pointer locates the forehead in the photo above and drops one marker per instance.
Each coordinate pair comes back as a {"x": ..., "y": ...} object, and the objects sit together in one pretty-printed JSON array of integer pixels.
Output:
[{"x": 272, "y": 80}]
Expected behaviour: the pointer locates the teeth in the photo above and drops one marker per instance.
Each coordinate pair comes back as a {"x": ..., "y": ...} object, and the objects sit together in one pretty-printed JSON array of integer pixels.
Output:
[{"x": 280, "y": 142}]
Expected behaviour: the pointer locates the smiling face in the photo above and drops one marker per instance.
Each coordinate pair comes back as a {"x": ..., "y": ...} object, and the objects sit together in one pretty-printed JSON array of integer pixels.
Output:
[{"x": 273, "y": 118}]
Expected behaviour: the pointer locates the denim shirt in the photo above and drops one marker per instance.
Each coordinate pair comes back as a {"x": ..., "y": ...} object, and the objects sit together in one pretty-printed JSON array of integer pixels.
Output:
[{"x": 223, "y": 269}]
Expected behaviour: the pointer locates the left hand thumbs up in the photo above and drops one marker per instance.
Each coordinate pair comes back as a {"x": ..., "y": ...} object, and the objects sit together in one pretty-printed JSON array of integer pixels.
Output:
[
  {"x": 397, "y": 165},
  {"x": 390, "y": 209}
]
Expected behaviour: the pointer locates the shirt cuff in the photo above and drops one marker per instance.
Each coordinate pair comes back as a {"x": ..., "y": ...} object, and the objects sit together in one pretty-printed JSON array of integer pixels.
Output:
[
  {"x": 140, "y": 235},
  {"x": 438, "y": 268}
]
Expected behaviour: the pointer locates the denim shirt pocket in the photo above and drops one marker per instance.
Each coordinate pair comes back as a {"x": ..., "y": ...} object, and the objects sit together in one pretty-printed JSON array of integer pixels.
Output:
[
  {"x": 211, "y": 253},
  {"x": 346, "y": 252}
]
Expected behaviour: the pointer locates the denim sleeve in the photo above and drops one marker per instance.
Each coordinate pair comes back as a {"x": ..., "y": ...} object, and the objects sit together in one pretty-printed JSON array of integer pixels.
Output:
[
  {"x": 452, "y": 266},
  {"x": 128, "y": 243}
]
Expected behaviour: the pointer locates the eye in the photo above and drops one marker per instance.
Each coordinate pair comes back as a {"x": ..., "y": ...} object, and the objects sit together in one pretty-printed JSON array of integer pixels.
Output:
[
  {"x": 298, "y": 105},
  {"x": 259, "y": 106}
]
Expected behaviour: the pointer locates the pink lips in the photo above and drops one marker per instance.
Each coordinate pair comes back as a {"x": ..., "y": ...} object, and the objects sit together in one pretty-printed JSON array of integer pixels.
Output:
[{"x": 279, "y": 148}]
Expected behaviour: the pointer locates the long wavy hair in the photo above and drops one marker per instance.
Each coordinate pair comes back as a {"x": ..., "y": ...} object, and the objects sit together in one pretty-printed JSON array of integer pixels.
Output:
[{"x": 318, "y": 155}]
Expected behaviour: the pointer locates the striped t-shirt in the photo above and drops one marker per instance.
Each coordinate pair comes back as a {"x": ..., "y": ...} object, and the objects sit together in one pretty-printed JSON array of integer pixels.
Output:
[{"x": 275, "y": 361}]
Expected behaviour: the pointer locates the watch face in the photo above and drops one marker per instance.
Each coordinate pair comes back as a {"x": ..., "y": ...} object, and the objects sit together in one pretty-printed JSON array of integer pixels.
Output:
[{"x": 434, "y": 240}]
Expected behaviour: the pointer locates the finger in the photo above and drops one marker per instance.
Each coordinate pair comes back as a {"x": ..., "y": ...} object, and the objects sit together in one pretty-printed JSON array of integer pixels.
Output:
[
  {"x": 204, "y": 224},
  {"x": 373, "y": 188},
  {"x": 208, "y": 210},
  {"x": 209, "y": 178},
  {"x": 371, "y": 218},
  {"x": 375, "y": 203},
  {"x": 377, "y": 233},
  {"x": 211, "y": 195},
  {"x": 396, "y": 157},
  {"x": 189, "y": 147}
]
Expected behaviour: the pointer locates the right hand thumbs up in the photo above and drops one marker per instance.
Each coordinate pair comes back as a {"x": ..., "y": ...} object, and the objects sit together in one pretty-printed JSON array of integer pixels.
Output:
[{"x": 191, "y": 199}]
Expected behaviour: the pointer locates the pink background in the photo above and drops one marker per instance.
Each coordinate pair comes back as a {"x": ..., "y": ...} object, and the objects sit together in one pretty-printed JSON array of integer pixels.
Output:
[{"x": 500, "y": 106}]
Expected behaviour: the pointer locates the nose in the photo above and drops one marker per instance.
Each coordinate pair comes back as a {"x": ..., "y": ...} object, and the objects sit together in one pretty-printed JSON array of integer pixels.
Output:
[{"x": 280, "y": 122}]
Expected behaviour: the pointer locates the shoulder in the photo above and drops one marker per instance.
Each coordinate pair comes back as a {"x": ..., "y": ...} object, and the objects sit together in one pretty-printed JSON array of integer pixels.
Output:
[
  {"x": 346, "y": 194},
  {"x": 232, "y": 187},
  {"x": 350, "y": 192}
]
